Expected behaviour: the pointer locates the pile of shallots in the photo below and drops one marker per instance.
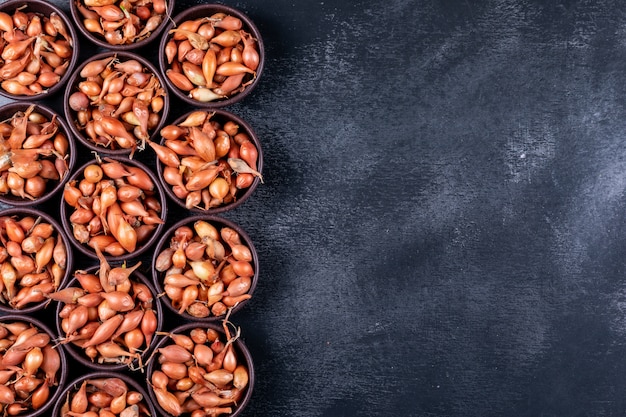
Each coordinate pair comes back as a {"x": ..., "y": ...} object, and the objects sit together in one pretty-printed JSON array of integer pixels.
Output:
[
  {"x": 211, "y": 58},
  {"x": 33, "y": 260},
  {"x": 122, "y": 22},
  {"x": 36, "y": 51},
  {"x": 206, "y": 269},
  {"x": 200, "y": 373},
  {"x": 208, "y": 160},
  {"x": 117, "y": 103},
  {"x": 108, "y": 315},
  {"x": 34, "y": 154},
  {"x": 30, "y": 367},
  {"x": 104, "y": 397},
  {"x": 113, "y": 206}
]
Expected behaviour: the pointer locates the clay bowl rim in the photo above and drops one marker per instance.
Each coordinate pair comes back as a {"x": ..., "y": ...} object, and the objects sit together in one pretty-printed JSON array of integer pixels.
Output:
[
  {"x": 48, "y": 112},
  {"x": 240, "y": 347},
  {"x": 202, "y": 10},
  {"x": 74, "y": 352},
  {"x": 165, "y": 239},
  {"x": 84, "y": 249},
  {"x": 40, "y": 4},
  {"x": 72, "y": 83},
  {"x": 21, "y": 211},
  {"x": 101, "y": 42},
  {"x": 104, "y": 374},
  {"x": 220, "y": 113},
  {"x": 63, "y": 369}
]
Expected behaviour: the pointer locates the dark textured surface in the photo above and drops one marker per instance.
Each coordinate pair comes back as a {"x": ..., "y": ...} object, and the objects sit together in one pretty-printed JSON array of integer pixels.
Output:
[{"x": 441, "y": 228}]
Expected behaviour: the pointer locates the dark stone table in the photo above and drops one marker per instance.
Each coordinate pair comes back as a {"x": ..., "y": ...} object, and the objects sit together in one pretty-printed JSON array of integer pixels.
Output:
[{"x": 441, "y": 228}]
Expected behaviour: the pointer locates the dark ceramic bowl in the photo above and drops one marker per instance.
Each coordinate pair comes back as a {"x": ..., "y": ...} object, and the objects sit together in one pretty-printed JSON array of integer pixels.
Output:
[
  {"x": 44, "y": 9},
  {"x": 141, "y": 247},
  {"x": 20, "y": 213},
  {"x": 79, "y": 355},
  {"x": 241, "y": 351},
  {"x": 241, "y": 195},
  {"x": 72, "y": 115},
  {"x": 53, "y": 187},
  {"x": 101, "y": 41},
  {"x": 218, "y": 223},
  {"x": 61, "y": 376},
  {"x": 74, "y": 386},
  {"x": 206, "y": 11}
]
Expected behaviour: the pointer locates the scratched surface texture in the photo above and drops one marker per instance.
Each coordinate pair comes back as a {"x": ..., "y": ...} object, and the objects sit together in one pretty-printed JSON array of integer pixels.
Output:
[{"x": 442, "y": 225}]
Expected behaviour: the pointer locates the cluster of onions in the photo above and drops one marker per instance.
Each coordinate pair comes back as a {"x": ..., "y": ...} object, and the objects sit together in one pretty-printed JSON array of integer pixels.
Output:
[
  {"x": 114, "y": 206},
  {"x": 116, "y": 102},
  {"x": 33, "y": 260},
  {"x": 211, "y": 58},
  {"x": 198, "y": 371},
  {"x": 108, "y": 314},
  {"x": 205, "y": 270},
  {"x": 36, "y": 51},
  {"x": 31, "y": 366},
  {"x": 103, "y": 396},
  {"x": 122, "y": 22},
  {"x": 208, "y": 159},
  {"x": 34, "y": 154}
]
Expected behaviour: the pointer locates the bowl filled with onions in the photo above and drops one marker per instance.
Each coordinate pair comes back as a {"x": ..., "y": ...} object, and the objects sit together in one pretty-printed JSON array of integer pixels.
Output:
[
  {"x": 36, "y": 156},
  {"x": 205, "y": 266},
  {"x": 35, "y": 259},
  {"x": 115, "y": 102},
  {"x": 121, "y": 25},
  {"x": 34, "y": 367},
  {"x": 107, "y": 317},
  {"x": 114, "y": 204},
  {"x": 209, "y": 161},
  {"x": 201, "y": 369},
  {"x": 39, "y": 49},
  {"x": 211, "y": 55},
  {"x": 106, "y": 394}
]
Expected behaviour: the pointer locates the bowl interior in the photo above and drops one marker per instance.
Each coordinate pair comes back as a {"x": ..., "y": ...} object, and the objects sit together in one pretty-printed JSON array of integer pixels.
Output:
[
  {"x": 44, "y": 8},
  {"x": 221, "y": 116},
  {"x": 72, "y": 87},
  {"x": 102, "y": 42},
  {"x": 53, "y": 187},
  {"x": 20, "y": 213},
  {"x": 65, "y": 212},
  {"x": 218, "y": 222},
  {"x": 241, "y": 350},
  {"x": 207, "y": 10}
]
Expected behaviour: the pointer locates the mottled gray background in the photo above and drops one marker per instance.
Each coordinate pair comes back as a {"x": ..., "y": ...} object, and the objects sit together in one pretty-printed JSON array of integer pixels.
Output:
[{"x": 441, "y": 228}]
